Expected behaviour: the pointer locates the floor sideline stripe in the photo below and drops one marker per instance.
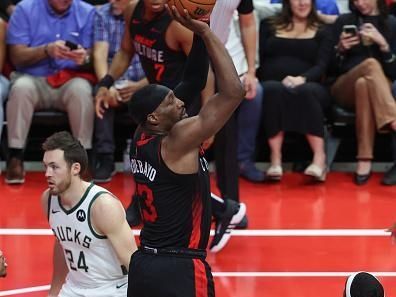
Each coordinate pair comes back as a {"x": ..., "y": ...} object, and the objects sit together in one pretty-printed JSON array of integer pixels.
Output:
[
  {"x": 229, "y": 274},
  {"x": 24, "y": 290},
  {"x": 250, "y": 232}
]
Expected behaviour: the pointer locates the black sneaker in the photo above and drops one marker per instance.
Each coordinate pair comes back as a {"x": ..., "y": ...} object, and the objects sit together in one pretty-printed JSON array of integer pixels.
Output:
[
  {"x": 132, "y": 214},
  {"x": 243, "y": 224},
  {"x": 233, "y": 215},
  {"x": 105, "y": 168}
]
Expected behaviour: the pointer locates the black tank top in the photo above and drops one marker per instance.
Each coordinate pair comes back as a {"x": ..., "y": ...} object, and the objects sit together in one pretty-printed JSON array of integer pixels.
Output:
[
  {"x": 176, "y": 208},
  {"x": 161, "y": 64}
]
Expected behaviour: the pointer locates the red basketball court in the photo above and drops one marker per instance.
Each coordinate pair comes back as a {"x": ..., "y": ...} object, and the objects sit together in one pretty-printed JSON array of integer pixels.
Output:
[{"x": 303, "y": 239}]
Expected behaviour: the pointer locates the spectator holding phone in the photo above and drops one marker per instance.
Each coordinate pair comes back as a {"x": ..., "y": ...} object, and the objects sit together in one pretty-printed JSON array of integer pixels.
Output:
[
  {"x": 365, "y": 43},
  {"x": 43, "y": 53}
]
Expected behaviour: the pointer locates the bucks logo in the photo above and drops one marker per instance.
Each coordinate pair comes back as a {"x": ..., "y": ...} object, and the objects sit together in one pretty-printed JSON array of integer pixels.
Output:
[{"x": 81, "y": 216}]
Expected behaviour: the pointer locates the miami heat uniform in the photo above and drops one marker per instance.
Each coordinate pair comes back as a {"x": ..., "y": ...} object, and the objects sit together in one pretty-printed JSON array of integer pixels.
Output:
[
  {"x": 94, "y": 269},
  {"x": 161, "y": 64},
  {"x": 176, "y": 212}
]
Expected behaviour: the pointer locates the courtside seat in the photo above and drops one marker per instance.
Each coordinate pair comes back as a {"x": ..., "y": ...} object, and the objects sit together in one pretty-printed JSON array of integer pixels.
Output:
[
  {"x": 342, "y": 128},
  {"x": 342, "y": 117},
  {"x": 50, "y": 117},
  {"x": 338, "y": 119},
  {"x": 46, "y": 122}
]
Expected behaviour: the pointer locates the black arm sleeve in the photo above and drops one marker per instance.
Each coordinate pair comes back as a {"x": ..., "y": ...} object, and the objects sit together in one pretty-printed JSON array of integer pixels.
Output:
[
  {"x": 245, "y": 7},
  {"x": 195, "y": 72}
]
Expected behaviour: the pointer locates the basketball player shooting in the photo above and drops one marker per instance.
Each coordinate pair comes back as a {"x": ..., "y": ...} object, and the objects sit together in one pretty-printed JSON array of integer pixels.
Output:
[
  {"x": 172, "y": 177},
  {"x": 165, "y": 48}
]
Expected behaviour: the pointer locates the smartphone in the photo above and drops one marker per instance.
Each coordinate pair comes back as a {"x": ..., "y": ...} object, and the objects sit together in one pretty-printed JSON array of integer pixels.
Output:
[
  {"x": 350, "y": 29},
  {"x": 71, "y": 45}
]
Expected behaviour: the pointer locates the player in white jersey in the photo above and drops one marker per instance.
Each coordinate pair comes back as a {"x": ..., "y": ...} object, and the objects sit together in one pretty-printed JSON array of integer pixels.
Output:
[{"x": 94, "y": 242}]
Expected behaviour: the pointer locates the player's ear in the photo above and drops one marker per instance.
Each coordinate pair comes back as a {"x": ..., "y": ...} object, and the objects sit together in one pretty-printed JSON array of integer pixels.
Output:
[
  {"x": 153, "y": 119},
  {"x": 76, "y": 168}
]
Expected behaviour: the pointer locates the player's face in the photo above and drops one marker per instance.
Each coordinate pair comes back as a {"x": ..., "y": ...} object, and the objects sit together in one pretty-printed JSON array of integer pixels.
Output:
[
  {"x": 60, "y": 6},
  {"x": 118, "y": 6},
  {"x": 172, "y": 109},
  {"x": 155, "y": 6},
  {"x": 301, "y": 8},
  {"x": 57, "y": 171}
]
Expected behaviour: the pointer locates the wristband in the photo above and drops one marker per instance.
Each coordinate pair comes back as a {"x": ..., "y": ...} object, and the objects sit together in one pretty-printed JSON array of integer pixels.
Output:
[{"x": 107, "y": 81}]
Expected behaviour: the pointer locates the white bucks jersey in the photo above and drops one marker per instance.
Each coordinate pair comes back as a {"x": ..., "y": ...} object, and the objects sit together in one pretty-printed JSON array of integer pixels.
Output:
[{"x": 89, "y": 256}]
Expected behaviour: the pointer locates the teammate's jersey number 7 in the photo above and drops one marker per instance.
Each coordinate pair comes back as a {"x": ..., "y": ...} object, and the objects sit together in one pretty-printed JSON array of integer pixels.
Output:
[{"x": 160, "y": 68}]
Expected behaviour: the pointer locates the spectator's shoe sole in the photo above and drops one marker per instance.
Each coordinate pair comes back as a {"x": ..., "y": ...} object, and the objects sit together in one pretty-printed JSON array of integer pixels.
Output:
[{"x": 14, "y": 181}]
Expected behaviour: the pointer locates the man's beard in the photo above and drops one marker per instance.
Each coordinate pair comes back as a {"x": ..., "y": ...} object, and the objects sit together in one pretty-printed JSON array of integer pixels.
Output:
[{"x": 62, "y": 187}]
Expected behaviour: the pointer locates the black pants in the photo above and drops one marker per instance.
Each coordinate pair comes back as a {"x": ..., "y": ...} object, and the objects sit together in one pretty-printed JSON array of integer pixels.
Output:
[
  {"x": 227, "y": 170},
  {"x": 104, "y": 133},
  {"x": 159, "y": 275}
]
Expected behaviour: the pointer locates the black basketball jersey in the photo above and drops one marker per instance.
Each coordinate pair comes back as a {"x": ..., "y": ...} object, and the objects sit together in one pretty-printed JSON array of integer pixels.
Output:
[
  {"x": 161, "y": 64},
  {"x": 176, "y": 208}
]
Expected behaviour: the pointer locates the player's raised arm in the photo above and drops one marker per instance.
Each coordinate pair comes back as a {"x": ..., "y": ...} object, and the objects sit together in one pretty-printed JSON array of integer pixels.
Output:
[{"x": 219, "y": 107}]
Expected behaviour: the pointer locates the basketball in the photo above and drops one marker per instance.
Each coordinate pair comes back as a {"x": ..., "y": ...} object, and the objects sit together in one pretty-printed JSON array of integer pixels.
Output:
[{"x": 198, "y": 9}]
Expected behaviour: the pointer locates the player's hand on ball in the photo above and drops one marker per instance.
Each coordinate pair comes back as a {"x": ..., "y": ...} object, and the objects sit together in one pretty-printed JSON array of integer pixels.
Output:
[{"x": 197, "y": 26}]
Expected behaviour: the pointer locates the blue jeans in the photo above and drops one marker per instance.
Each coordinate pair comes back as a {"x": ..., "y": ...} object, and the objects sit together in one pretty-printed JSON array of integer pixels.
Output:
[
  {"x": 249, "y": 113},
  {"x": 4, "y": 87}
]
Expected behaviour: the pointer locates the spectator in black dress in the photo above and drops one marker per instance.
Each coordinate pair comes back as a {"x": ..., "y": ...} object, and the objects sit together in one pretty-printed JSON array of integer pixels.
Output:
[{"x": 294, "y": 53}]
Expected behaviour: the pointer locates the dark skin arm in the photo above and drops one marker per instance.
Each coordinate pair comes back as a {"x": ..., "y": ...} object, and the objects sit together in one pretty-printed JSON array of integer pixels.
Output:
[{"x": 180, "y": 147}]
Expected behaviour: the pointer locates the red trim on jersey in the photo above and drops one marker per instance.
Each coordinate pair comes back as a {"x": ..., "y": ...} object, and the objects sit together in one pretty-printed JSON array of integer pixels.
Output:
[
  {"x": 201, "y": 281},
  {"x": 196, "y": 222}
]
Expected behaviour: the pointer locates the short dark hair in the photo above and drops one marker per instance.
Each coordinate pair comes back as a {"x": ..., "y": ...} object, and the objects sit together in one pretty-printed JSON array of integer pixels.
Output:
[
  {"x": 363, "y": 284},
  {"x": 73, "y": 150},
  {"x": 145, "y": 100}
]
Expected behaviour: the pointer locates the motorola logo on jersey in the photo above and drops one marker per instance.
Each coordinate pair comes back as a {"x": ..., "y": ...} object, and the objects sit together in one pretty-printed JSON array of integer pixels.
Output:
[{"x": 81, "y": 216}]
